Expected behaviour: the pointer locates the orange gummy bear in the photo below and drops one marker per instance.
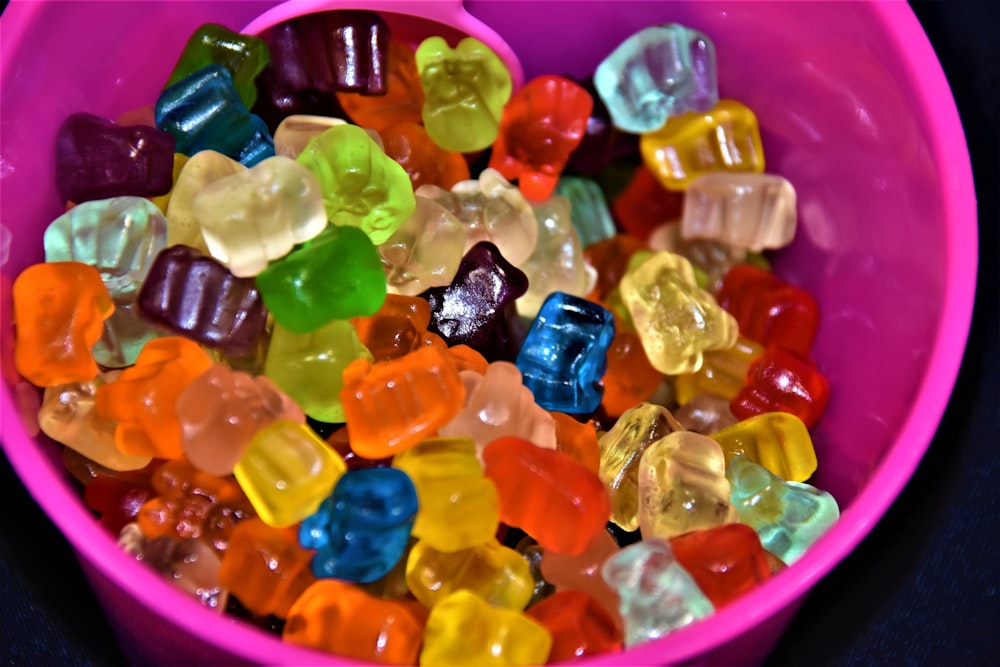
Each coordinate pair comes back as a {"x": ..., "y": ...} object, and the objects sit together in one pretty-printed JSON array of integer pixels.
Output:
[
  {"x": 424, "y": 161},
  {"x": 142, "y": 399},
  {"x": 59, "y": 313},
  {"x": 397, "y": 328}
]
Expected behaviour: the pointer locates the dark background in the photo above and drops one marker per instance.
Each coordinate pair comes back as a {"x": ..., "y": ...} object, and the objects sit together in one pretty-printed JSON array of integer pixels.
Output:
[{"x": 922, "y": 589}]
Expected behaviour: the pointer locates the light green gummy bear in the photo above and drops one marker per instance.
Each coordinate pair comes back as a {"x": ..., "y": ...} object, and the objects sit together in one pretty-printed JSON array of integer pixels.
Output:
[
  {"x": 309, "y": 367},
  {"x": 465, "y": 90},
  {"x": 362, "y": 186}
]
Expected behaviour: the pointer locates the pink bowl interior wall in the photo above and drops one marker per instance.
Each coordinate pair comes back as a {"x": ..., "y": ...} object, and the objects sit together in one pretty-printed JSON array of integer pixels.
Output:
[{"x": 887, "y": 243}]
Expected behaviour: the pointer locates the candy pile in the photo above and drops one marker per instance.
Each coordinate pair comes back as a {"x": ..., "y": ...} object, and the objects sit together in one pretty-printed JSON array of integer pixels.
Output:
[{"x": 400, "y": 388}]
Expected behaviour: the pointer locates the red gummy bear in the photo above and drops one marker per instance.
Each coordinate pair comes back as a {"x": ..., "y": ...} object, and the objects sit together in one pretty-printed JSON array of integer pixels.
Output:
[{"x": 781, "y": 380}]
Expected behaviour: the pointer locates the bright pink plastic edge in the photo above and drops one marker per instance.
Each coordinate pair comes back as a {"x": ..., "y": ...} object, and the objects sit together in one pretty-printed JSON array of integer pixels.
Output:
[
  {"x": 949, "y": 147},
  {"x": 446, "y": 12}
]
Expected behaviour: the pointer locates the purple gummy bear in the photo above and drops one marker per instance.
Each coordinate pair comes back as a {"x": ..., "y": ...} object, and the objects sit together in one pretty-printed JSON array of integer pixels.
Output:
[
  {"x": 276, "y": 102},
  {"x": 194, "y": 295},
  {"x": 476, "y": 309},
  {"x": 336, "y": 51},
  {"x": 97, "y": 159}
]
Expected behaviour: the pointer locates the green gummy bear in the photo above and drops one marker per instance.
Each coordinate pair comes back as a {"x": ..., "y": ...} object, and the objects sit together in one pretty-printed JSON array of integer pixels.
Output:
[
  {"x": 465, "y": 90},
  {"x": 335, "y": 276},
  {"x": 362, "y": 186},
  {"x": 244, "y": 56}
]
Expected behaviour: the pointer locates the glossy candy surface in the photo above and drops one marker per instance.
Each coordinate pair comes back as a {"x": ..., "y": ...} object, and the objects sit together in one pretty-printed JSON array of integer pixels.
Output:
[
  {"x": 465, "y": 91},
  {"x": 564, "y": 354},
  {"x": 361, "y": 531},
  {"x": 725, "y": 561},
  {"x": 541, "y": 126},
  {"x": 244, "y": 56},
  {"x": 559, "y": 502},
  {"x": 204, "y": 111},
  {"x": 744, "y": 210},
  {"x": 59, "y": 309},
  {"x": 187, "y": 293},
  {"x": 779, "y": 441},
  {"x": 656, "y": 73},
  {"x": 97, "y": 159},
  {"x": 424, "y": 251},
  {"x": 403, "y": 98},
  {"x": 783, "y": 381},
  {"x": 578, "y": 624}
]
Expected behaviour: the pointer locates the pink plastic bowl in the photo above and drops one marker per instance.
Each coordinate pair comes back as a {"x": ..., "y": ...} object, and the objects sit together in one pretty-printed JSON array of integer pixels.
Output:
[{"x": 854, "y": 110}]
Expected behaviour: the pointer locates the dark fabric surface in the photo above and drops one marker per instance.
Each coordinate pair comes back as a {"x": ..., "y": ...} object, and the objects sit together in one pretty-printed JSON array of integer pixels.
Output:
[{"x": 922, "y": 589}]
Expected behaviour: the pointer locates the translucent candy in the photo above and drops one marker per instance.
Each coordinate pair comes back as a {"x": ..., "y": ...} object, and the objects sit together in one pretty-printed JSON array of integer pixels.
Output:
[
  {"x": 120, "y": 237},
  {"x": 676, "y": 320},
  {"x": 398, "y": 328},
  {"x": 362, "y": 186},
  {"x": 711, "y": 260},
  {"x": 200, "y": 170},
  {"x": 621, "y": 450},
  {"x": 338, "y": 275},
  {"x": 204, "y": 111},
  {"x": 591, "y": 216},
  {"x": 463, "y": 629},
  {"x": 259, "y": 214},
  {"x": 244, "y": 56},
  {"x": 553, "y": 498},
  {"x": 658, "y": 596},
  {"x": 495, "y": 573},
  {"x": 67, "y": 416},
  {"x": 295, "y": 132},
  {"x": 491, "y": 209},
  {"x": 498, "y": 404},
  {"x": 788, "y": 516},
  {"x": 403, "y": 99},
  {"x": 286, "y": 472},
  {"x": 556, "y": 264},
  {"x": 722, "y": 372},
  {"x": 465, "y": 91},
  {"x": 425, "y": 162},
  {"x": 726, "y": 561},
  {"x": 578, "y": 624},
  {"x": 779, "y": 441},
  {"x": 309, "y": 367},
  {"x": 393, "y": 405},
  {"x": 458, "y": 505},
  {"x": 564, "y": 354},
  {"x": 780, "y": 380},
  {"x": 682, "y": 486},
  {"x": 705, "y": 414},
  {"x": 424, "y": 251},
  {"x": 658, "y": 72},
  {"x": 724, "y": 138},
  {"x": 630, "y": 378},
  {"x": 582, "y": 572},
  {"x": 59, "y": 309},
  {"x": 745, "y": 210},
  {"x": 221, "y": 410},
  {"x": 361, "y": 531},
  {"x": 542, "y": 124},
  {"x": 341, "y": 618}
]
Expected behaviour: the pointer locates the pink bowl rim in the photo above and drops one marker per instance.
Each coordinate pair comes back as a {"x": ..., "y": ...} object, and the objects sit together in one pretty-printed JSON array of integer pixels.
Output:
[{"x": 948, "y": 146}]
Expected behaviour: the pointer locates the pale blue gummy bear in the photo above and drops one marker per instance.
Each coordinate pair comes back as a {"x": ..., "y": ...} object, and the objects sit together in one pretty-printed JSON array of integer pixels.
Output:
[
  {"x": 589, "y": 209},
  {"x": 120, "y": 237},
  {"x": 564, "y": 355},
  {"x": 656, "y": 73},
  {"x": 788, "y": 516},
  {"x": 656, "y": 595}
]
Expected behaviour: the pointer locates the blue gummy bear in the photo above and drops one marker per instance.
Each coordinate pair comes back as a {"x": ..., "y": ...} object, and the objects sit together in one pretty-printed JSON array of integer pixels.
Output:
[
  {"x": 361, "y": 531},
  {"x": 589, "y": 209},
  {"x": 564, "y": 356},
  {"x": 788, "y": 516},
  {"x": 204, "y": 112},
  {"x": 656, "y": 73}
]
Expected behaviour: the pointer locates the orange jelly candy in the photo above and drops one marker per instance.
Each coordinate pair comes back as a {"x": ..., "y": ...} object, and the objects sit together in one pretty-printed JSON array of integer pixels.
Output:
[
  {"x": 142, "y": 399},
  {"x": 397, "y": 328},
  {"x": 393, "y": 405},
  {"x": 630, "y": 378},
  {"x": 59, "y": 313},
  {"x": 339, "y": 617},
  {"x": 424, "y": 161},
  {"x": 578, "y": 440},
  {"x": 403, "y": 99}
]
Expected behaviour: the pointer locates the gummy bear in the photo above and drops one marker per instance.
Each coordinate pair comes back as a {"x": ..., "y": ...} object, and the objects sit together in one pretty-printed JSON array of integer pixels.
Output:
[
  {"x": 59, "y": 309},
  {"x": 398, "y": 328},
  {"x": 578, "y": 624},
  {"x": 362, "y": 186},
  {"x": 295, "y": 132},
  {"x": 722, "y": 372},
  {"x": 424, "y": 251},
  {"x": 779, "y": 441},
  {"x": 582, "y": 572},
  {"x": 591, "y": 215},
  {"x": 244, "y": 56},
  {"x": 403, "y": 98},
  {"x": 705, "y": 414},
  {"x": 361, "y": 531},
  {"x": 656, "y": 73},
  {"x": 541, "y": 126},
  {"x": 725, "y": 561},
  {"x": 630, "y": 378},
  {"x": 645, "y": 205},
  {"x": 200, "y": 170},
  {"x": 745, "y": 210},
  {"x": 781, "y": 380},
  {"x": 259, "y": 214},
  {"x": 465, "y": 91},
  {"x": 425, "y": 162}
]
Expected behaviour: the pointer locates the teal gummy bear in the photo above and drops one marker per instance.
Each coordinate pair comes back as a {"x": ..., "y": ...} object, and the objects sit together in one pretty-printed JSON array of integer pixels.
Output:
[
  {"x": 335, "y": 276},
  {"x": 788, "y": 516},
  {"x": 120, "y": 237},
  {"x": 362, "y": 186},
  {"x": 204, "y": 111},
  {"x": 656, "y": 73},
  {"x": 590, "y": 214},
  {"x": 656, "y": 594}
]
